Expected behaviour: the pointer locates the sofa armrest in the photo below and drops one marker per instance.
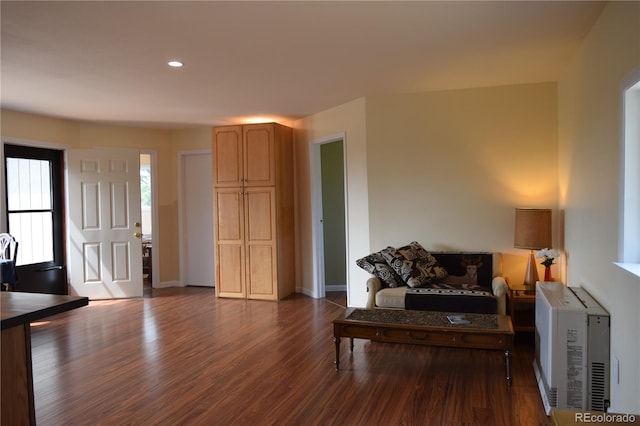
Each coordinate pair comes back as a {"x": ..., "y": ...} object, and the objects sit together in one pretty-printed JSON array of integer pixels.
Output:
[
  {"x": 499, "y": 287},
  {"x": 373, "y": 286}
]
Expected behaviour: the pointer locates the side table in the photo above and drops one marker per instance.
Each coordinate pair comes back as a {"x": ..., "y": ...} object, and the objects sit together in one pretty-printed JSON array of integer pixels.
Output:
[{"x": 522, "y": 308}]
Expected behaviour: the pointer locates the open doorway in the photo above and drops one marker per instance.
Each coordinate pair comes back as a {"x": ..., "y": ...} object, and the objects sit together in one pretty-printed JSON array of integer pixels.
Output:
[
  {"x": 333, "y": 216},
  {"x": 329, "y": 216},
  {"x": 147, "y": 200}
]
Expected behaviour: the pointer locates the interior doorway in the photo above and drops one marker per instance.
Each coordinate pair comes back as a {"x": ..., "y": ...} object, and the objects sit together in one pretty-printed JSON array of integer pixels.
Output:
[
  {"x": 329, "y": 215},
  {"x": 195, "y": 171},
  {"x": 146, "y": 209},
  {"x": 333, "y": 216}
]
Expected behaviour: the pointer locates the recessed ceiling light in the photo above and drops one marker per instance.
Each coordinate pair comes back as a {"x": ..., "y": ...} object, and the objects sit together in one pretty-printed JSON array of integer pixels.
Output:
[{"x": 175, "y": 64}]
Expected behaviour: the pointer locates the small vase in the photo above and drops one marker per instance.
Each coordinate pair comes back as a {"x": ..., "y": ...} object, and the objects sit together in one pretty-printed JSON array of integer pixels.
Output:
[{"x": 547, "y": 273}]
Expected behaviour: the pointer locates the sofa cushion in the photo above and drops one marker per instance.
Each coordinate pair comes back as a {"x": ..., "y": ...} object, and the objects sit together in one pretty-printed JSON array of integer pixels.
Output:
[
  {"x": 451, "y": 300},
  {"x": 414, "y": 264},
  {"x": 376, "y": 265},
  {"x": 391, "y": 297}
]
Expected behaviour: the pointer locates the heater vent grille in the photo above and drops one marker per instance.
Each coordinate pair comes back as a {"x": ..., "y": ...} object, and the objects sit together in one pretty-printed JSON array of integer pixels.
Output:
[
  {"x": 598, "y": 386},
  {"x": 552, "y": 394}
]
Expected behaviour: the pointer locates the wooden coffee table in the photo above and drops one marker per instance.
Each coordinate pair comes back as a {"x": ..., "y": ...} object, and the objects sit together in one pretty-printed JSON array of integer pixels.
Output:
[{"x": 484, "y": 331}]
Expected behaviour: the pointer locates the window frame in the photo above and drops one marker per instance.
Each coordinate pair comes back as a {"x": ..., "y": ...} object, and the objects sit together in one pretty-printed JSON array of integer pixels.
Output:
[
  {"x": 11, "y": 150},
  {"x": 629, "y": 214}
]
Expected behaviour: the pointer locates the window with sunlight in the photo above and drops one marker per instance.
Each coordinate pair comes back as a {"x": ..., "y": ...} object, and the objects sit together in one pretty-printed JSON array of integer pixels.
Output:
[
  {"x": 630, "y": 158},
  {"x": 145, "y": 193},
  {"x": 30, "y": 208}
]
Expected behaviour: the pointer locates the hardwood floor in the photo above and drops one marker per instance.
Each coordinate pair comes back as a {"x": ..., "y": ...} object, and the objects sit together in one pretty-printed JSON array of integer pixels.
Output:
[{"x": 182, "y": 356}]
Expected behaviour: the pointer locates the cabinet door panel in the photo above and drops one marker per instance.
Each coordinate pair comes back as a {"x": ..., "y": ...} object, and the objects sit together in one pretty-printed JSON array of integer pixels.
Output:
[
  {"x": 260, "y": 237},
  {"x": 259, "y": 159},
  {"x": 260, "y": 272},
  {"x": 229, "y": 271},
  {"x": 229, "y": 237},
  {"x": 260, "y": 214},
  {"x": 227, "y": 156},
  {"x": 229, "y": 215}
]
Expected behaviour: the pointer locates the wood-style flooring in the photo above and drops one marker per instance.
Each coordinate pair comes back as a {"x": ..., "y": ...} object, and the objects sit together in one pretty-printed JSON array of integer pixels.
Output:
[{"x": 183, "y": 357}]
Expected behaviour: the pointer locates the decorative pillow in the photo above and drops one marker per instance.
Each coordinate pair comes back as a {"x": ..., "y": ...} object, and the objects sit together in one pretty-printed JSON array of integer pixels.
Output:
[
  {"x": 414, "y": 264},
  {"x": 377, "y": 266}
]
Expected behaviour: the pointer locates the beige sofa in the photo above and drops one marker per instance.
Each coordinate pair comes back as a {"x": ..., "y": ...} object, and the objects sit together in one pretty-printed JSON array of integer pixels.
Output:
[{"x": 381, "y": 296}]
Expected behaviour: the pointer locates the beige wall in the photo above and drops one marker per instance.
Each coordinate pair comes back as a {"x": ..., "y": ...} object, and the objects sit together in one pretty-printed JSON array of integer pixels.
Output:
[
  {"x": 444, "y": 168},
  {"x": 350, "y": 120},
  {"x": 69, "y": 134},
  {"x": 448, "y": 168},
  {"x": 589, "y": 140}
]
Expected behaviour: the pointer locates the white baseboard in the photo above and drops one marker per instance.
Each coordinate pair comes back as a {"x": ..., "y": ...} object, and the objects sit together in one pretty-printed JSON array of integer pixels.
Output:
[
  {"x": 167, "y": 284},
  {"x": 309, "y": 293},
  {"x": 305, "y": 291}
]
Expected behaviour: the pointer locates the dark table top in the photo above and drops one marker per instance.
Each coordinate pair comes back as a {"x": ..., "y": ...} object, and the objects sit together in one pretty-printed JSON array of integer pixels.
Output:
[
  {"x": 21, "y": 308},
  {"x": 401, "y": 318}
]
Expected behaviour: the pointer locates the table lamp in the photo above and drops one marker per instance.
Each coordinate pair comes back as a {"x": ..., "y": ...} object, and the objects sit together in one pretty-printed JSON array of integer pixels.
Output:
[{"x": 532, "y": 232}]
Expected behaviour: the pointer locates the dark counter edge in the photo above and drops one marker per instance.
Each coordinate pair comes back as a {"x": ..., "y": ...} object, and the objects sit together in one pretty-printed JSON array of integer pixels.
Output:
[{"x": 75, "y": 302}]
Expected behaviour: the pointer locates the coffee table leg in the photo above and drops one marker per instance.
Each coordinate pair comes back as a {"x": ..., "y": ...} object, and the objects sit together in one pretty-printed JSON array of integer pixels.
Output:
[
  {"x": 507, "y": 356},
  {"x": 337, "y": 342},
  {"x": 351, "y": 344}
]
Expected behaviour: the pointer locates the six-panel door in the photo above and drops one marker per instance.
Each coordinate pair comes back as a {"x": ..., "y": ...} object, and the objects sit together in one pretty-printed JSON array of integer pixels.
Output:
[{"x": 103, "y": 208}]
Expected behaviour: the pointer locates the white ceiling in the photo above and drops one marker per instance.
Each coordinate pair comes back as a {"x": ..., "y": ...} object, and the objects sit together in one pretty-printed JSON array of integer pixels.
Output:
[{"x": 106, "y": 61}]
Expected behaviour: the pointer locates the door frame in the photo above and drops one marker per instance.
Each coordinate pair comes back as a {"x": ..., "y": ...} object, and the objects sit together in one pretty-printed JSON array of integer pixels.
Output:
[
  {"x": 317, "y": 237},
  {"x": 47, "y": 276},
  {"x": 155, "y": 234},
  {"x": 182, "y": 235}
]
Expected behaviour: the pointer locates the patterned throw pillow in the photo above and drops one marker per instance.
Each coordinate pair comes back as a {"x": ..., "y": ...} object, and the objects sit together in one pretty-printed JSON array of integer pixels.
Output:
[
  {"x": 414, "y": 264},
  {"x": 377, "y": 266}
]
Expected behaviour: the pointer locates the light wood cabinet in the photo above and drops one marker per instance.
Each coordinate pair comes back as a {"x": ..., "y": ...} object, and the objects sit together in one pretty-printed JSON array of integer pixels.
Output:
[
  {"x": 253, "y": 211},
  {"x": 246, "y": 155}
]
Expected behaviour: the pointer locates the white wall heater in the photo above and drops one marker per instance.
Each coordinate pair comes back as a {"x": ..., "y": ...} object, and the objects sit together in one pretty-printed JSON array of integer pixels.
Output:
[{"x": 572, "y": 349}]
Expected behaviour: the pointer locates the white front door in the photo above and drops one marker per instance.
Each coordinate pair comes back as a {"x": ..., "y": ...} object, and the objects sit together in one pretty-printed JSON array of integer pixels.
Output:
[{"x": 103, "y": 216}]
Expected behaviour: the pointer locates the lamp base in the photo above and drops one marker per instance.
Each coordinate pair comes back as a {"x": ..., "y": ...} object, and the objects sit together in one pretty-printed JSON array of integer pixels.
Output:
[{"x": 531, "y": 276}]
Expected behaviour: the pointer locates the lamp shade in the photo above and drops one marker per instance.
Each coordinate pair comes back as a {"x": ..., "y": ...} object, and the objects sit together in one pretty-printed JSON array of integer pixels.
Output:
[{"x": 533, "y": 229}]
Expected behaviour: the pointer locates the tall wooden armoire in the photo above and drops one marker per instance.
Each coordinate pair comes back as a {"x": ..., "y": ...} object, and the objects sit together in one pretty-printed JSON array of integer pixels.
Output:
[{"x": 253, "y": 211}]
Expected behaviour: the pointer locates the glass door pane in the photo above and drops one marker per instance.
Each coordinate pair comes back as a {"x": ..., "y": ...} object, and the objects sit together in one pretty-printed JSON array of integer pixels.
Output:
[{"x": 30, "y": 209}]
